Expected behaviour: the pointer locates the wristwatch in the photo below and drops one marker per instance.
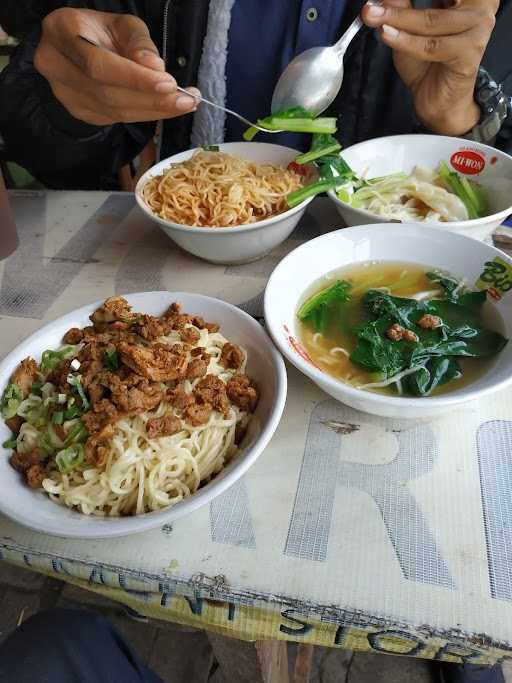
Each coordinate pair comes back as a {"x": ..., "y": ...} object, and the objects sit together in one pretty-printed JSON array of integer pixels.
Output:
[{"x": 496, "y": 108}]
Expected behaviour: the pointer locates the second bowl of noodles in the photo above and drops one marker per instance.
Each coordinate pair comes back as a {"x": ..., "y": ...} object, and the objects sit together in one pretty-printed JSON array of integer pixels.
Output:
[{"x": 225, "y": 204}]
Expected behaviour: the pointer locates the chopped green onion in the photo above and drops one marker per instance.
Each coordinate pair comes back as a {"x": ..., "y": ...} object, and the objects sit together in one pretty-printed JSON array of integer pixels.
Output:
[
  {"x": 111, "y": 359},
  {"x": 11, "y": 401},
  {"x": 77, "y": 384},
  {"x": 10, "y": 443},
  {"x": 50, "y": 359},
  {"x": 72, "y": 412},
  {"x": 69, "y": 459},
  {"x": 75, "y": 433},
  {"x": 210, "y": 148},
  {"x": 45, "y": 444},
  {"x": 58, "y": 417},
  {"x": 36, "y": 388}
]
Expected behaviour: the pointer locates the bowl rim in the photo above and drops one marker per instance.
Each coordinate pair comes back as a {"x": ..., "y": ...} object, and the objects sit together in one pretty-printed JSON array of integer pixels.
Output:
[
  {"x": 415, "y": 136},
  {"x": 324, "y": 379},
  {"x": 91, "y": 527},
  {"x": 197, "y": 230}
]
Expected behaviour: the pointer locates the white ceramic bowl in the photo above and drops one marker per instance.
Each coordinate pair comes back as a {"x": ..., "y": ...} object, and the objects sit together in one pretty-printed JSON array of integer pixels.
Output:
[
  {"x": 488, "y": 166},
  {"x": 241, "y": 244},
  {"x": 460, "y": 255},
  {"x": 35, "y": 510}
]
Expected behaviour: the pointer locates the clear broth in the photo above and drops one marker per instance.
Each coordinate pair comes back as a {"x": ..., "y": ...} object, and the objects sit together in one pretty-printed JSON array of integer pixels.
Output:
[{"x": 331, "y": 352}]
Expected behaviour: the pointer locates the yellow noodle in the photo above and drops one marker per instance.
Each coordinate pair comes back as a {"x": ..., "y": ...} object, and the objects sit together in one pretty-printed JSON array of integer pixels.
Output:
[{"x": 214, "y": 189}]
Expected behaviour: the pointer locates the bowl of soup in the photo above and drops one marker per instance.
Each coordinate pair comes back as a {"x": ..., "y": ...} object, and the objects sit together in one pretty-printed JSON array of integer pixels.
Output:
[
  {"x": 420, "y": 178},
  {"x": 398, "y": 320}
]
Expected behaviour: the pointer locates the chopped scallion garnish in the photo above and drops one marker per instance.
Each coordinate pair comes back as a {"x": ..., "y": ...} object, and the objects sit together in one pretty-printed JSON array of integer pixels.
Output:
[
  {"x": 11, "y": 401},
  {"x": 58, "y": 417},
  {"x": 70, "y": 458},
  {"x": 10, "y": 443}
]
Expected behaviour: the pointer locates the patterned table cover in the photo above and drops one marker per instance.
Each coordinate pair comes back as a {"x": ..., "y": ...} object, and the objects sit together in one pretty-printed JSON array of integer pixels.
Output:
[{"x": 350, "y": 531}]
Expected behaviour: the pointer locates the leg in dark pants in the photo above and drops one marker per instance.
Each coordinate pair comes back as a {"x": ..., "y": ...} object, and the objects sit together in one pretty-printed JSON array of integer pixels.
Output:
[
  {"x": 471, "y": 673},
  {"x": 70, "y": 646}
]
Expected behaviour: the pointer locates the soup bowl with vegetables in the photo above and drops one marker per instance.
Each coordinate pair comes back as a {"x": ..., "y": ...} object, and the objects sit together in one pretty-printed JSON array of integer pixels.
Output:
[
  {"x": 405, "y": 321},
  {"x": 445, "y": 182}
]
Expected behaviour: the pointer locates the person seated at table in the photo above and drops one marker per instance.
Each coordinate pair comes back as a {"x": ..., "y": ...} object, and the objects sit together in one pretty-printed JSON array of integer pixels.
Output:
[
  {"x": 64, "y": 645},
  {"x": 74, "y": 115}
]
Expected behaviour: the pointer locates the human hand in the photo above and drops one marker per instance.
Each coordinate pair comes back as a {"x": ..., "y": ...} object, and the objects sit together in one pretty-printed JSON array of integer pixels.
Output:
[
  {"x": 437, "y": 53},
  {"x": 124, "y": 82}
]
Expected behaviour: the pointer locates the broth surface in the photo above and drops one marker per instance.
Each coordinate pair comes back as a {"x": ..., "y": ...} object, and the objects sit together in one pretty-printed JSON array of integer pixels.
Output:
[{"x": 330, "y": 352}]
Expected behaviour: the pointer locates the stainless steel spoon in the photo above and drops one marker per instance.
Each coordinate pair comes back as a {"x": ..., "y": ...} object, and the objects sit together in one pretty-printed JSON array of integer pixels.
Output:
[{"x": 313, "y": 79}]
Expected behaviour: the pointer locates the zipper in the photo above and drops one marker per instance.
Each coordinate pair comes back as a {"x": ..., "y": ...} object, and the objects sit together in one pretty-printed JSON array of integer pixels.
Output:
[{"x": 165, "y": 35}]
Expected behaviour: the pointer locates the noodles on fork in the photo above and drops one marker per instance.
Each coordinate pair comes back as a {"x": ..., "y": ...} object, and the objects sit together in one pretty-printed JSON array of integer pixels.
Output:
[{"x": 214, "y": 189}]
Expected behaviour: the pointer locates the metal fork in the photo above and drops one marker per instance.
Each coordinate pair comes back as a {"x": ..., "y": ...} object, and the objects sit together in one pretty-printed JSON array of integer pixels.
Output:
[{"x": 199, "y": 98}]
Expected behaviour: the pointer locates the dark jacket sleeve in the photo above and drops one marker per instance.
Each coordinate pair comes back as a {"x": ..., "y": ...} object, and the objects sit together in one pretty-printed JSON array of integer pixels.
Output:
[
  {"x": 57, "y": 149},
  {"x": 20, "y": 17}
]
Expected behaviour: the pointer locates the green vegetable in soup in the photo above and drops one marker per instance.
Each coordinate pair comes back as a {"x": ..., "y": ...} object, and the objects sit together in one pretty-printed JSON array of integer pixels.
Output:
[
  {"x": 414, "y": 345},
  {"x": 327, "y": 307},
  {"x": 460, "y": 334}
]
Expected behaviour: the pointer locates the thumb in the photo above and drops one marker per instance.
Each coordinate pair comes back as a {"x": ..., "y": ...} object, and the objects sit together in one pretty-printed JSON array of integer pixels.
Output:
[{"x": 132, "y": 40}]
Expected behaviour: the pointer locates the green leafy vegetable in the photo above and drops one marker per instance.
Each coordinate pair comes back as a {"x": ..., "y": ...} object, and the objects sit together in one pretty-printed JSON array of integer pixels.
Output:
[
  {"x": 11, "y": 400},
  {"x": 460, "y": 334},
  {"x": 321, "y": 146},
  {"x": 111, "y": 359},
  {"x": 468, "y": 192},
  {"x": 294, "y": 120},
  {"x": 298, "y": 196},
  {"x": 70, "y": 458},
  {"x": 325, "y": 309},
  {"x": 334, "y": 167}
]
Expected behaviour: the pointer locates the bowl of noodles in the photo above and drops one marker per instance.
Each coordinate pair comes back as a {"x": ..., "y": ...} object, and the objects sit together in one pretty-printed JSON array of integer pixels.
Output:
[
  {"x": 225, "y": 204},
  {"x": 444, "y": 182},
  {"x": 130, "y": 413}
]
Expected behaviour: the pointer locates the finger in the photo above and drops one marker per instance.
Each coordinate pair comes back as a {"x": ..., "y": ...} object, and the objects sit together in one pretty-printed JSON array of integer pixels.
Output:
[
  {"x": 425, "y": 22},
  {"x": 131, "y": 39},
  {"x": 56, "y": 68},
  {"x": 81, "y": 106},
  {"x": 99, "y": 63},
  {"x": 71, "y": 80},
  {"x": 463, "y": 48}
]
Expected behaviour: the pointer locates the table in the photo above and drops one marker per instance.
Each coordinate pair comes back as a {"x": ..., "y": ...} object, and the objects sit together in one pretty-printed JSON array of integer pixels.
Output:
[{"x": 350, "y": 531}]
